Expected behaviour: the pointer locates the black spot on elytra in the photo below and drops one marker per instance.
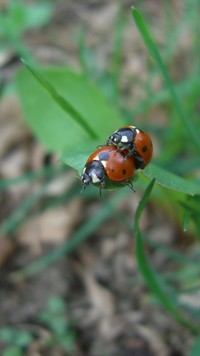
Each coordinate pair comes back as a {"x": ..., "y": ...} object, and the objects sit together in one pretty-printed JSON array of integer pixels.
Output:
[
  {"x": 144, "y": 148},
  {"x": 103, "y": 156},
  {"x": 124, "y": 171}
]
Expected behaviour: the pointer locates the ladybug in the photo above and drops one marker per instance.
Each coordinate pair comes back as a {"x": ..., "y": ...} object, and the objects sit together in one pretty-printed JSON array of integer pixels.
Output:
[
  {"x": 107, "y": 167},
  {"x": 137, "y": 142}
]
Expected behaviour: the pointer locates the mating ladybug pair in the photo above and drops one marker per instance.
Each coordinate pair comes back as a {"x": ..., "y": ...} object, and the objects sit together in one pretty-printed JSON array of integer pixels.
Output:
[{"x": 127, "y": 149}]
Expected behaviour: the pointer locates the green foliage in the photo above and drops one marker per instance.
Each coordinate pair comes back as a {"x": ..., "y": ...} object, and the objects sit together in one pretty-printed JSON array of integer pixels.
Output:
[
  {"x": 18, "y": 18},
  {"x": 54, "y": 317},
  {"x": 150, "y": 276},
  {"x": 192, "y": 211},
  {"x": 72, "y": 118},
  {"x": 171, "y": 181},
  {"x": 15, "y": 340},
  {"x": 12, "y": 351},
  {"x": 21, "y": 17},
  {"x": 70, "y": 115},
  {"x": 156, "y": 56},
  {"x": 196, "y": 348}
]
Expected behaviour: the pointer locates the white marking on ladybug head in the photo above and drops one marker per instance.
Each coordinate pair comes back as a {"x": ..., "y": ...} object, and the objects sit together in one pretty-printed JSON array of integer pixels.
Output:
[
  {"x": 137, "y": 131},
  {"x": 124, "y": 139},
  {"x": 95, "y": 179}
]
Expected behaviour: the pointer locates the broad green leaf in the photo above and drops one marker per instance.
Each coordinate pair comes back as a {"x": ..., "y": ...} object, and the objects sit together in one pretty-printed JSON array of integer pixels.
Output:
[
  {"x": 61, "y": 101},
  {"x": 148, "y": 273},
  {"x": 81, "y": 155},
  {"x": 55, "y": 127}
]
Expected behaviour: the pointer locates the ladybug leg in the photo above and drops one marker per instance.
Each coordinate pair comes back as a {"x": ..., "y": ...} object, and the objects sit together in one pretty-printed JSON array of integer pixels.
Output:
[
  {"x": 121, "y": 149},
  {"x": 129, "y": 184},
  {"x": 129, "y": 154},
  {"x": 101, "y": 186},
  {"x": 124, "y": 147},
  {"x": 139, "y": 161}
]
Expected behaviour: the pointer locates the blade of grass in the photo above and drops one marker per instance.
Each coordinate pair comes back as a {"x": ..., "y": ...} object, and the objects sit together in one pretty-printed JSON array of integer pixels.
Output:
[
  {"x": 165, "y": 250},
  {"x": 185, "y": 88},
  {"x": 75, "y": 240},
  {"x": 61, "y": 101},
  {"x": 149, "y": 274},
  {"x": 10, "y": 224},
  {"x": 30, "y": 176},
  {"x": 116, "y": 58},
  {"x": 151, "y": 46}
]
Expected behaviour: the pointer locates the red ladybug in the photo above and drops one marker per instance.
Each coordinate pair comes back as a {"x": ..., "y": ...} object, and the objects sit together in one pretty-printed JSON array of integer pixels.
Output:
[
  {"x": 107, "y": 166},
  {"x": 136, "y": 142}
]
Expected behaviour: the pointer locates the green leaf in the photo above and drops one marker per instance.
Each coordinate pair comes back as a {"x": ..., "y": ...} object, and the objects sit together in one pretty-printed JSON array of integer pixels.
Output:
[
  {"x": 86, "y": 112},
  {"x": 15, "y": 18},
  {"x": 38, "y": 14},
  {"x": 61, "y": 101},
  {"x": 81, "y": 154},
  {"x": 56, "y": 305},
  {"x": 171, "y": 181},
  {"x": 23, "y": 338},
  {"x": 152, "y": 48},
  {"x": 149, "y": 275}
]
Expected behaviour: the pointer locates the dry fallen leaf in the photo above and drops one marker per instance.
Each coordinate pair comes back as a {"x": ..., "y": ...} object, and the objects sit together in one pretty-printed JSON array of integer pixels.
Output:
[{"x": 53, "y": 226}]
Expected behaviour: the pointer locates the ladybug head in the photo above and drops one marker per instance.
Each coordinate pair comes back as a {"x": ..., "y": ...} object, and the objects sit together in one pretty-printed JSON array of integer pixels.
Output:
[
  {"x": 114, "y": 139},
  {"x": 85, "y": 180},
  {"x": 93, "y": 173}
]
